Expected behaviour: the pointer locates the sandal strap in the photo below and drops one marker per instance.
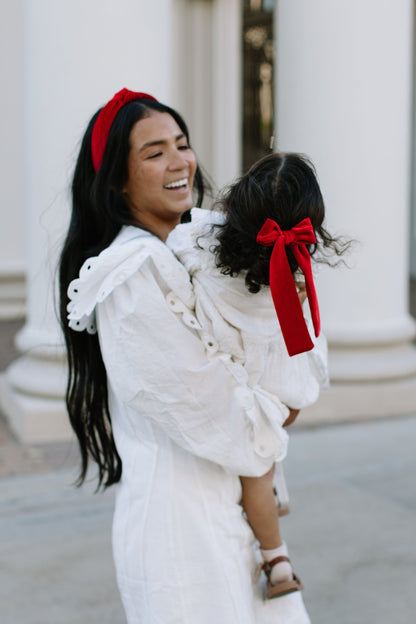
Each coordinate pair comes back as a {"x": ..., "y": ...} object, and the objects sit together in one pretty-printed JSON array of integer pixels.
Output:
[{"x": 283, "y": 588}]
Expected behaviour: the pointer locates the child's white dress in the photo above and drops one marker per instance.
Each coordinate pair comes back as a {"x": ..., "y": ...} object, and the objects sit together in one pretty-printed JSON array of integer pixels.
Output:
[{"x": 244, "y": 324}]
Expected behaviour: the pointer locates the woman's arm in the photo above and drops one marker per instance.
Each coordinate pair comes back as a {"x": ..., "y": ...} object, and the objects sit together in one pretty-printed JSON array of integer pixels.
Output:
[{"x": 159, "y": 367}]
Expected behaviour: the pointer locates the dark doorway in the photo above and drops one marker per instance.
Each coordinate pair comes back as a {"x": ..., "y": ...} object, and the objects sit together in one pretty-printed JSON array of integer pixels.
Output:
[{"x": 258, "y": 79}]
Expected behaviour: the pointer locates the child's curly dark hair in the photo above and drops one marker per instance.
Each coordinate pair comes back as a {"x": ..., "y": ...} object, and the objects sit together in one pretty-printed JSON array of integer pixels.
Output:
[{"x": 282, "y": 187}]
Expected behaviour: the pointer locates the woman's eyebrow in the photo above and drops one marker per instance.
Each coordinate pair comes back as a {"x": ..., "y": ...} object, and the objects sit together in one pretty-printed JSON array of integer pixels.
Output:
[{"x": 161, "y": 142}]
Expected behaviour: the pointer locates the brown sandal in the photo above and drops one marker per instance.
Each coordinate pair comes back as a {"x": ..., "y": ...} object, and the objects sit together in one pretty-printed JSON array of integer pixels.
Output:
[{"x": 284, "y": 587}]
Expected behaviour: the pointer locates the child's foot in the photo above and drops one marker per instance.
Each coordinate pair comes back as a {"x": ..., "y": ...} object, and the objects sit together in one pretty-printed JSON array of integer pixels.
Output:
[{"x": 281, "y": 579}]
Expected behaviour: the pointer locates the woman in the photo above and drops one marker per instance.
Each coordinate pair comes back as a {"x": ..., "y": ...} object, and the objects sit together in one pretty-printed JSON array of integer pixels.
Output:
[{"x": 151, "y": 401}]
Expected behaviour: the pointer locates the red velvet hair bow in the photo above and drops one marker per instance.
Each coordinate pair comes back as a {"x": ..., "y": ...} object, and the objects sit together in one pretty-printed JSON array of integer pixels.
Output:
[
  {"x": 105, "y": 119},
  {"x": 282, "y": 285}
]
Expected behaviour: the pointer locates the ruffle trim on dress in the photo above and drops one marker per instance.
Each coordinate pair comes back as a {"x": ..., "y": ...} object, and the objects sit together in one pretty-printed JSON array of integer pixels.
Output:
[{"x": 100, "y": 275}]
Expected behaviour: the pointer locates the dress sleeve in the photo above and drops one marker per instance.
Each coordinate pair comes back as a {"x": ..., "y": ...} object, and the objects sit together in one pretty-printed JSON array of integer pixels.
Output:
[
  {"x": 159, "y": 367},
  {"x": 296, "y": 380}
]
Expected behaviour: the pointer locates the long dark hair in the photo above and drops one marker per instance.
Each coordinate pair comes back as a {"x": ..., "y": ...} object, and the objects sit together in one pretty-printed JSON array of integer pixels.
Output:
[
  {"x": 282, "y": 187},
  {"x": 98, "y": 213}
]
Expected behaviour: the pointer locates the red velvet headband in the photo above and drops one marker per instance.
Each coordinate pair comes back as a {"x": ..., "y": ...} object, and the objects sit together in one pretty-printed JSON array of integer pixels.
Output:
[
  {"x": 105, "y": 119},
  {"x": 282, "y": 285}
]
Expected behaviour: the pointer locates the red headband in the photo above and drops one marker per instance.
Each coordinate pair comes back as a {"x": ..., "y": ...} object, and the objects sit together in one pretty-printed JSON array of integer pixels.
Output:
[
  {"x": 282, "y": 285},
  {"x": 105, "y": 119}
]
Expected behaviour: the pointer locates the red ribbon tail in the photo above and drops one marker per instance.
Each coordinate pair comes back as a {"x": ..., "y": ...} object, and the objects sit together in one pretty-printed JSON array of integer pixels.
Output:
[{"x": 286, "y": 302}]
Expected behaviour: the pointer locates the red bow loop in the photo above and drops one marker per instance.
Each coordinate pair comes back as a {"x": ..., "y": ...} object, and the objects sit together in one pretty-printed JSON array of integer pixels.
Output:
[
  {"x": 300, "y": 233},
  {"x": 282, "y": 285},
  {"x": 269, "y": 233},
  {"x": 105, "y": 119},
  {"x": 303, "y": 232}
]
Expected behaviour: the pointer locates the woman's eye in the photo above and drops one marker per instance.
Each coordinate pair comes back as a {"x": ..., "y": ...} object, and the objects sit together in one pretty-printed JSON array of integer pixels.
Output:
[
  {"x": 155, "y": 155},
  {"x": 183, "y": 147}
]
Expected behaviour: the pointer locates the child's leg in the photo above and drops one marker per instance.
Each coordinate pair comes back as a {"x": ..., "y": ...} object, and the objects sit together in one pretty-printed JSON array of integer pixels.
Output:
[
  {"x": 280, "y": 490},
  {"x": 261, "y": 510},
  {"x": 262, "y": 514}
]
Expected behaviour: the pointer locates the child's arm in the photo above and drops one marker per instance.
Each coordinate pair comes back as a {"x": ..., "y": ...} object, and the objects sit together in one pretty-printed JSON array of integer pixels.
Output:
[{"x": 301, "y": 288}]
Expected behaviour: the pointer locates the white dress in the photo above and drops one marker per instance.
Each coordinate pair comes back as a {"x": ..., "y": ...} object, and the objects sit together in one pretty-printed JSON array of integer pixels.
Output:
[
  {"x": 245, "y": 325},
  {"x": 186, "y": 423}
]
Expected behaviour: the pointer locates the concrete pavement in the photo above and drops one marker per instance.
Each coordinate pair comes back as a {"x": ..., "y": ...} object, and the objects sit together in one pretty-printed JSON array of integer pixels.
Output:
[{"x": 351, "y": 531}]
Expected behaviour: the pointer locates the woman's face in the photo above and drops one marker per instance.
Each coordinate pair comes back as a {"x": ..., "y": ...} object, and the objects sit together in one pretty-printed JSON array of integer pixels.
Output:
[{"x": 161, "y": 168}]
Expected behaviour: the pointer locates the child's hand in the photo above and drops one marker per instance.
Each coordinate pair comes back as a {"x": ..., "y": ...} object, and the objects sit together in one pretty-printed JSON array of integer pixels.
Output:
[
  {"x": 301, "y": 288},
  {"x": 293, "y": 414}
]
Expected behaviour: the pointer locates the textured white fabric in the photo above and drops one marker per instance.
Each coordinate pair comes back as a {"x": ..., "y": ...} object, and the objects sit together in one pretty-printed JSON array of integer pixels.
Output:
[
  {"x": 245, "y": 325},
  {"x": 186, "y": 423}
]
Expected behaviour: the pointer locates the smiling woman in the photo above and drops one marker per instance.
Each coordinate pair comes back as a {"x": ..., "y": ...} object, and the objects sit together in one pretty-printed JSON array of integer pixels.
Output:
[
  {"x": 132, "y": 149},
  {"x": 170, "y": 422}
]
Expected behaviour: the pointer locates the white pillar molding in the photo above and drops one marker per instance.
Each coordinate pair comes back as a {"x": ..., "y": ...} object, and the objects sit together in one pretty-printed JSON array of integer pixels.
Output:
[
  {"x": 76, "y": 56},
  {"x": 344, "y": 99},
  {"x": 12, "y": 290},
  {"x": 12, "y": 248}
]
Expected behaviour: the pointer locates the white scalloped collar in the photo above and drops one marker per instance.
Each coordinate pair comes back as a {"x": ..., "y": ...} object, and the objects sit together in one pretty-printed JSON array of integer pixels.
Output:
[{"x": 99, "y": 275}]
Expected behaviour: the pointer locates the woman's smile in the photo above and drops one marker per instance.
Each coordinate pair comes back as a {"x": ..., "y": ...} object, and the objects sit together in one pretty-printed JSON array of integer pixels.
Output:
[{"x": 179, "y": 185}]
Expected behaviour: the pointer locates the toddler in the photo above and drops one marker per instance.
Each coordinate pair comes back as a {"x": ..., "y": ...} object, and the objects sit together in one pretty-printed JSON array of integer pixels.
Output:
[{"x": 248, "y": 263}]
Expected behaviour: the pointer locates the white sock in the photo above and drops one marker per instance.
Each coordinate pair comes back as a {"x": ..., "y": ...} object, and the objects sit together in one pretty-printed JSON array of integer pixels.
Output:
[{"x": 281, "y": 571}]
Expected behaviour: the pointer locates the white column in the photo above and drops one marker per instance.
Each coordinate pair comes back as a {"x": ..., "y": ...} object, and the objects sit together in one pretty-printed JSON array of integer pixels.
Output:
[
  {"x": 343, "y": 98},
  {"x": 226, "y": 90},
  {"x": 207, "y": 38},
  {"x": 412, "y": 228},
  {"x": 192, "y": 89},
  {"x": 77, "y": 55},
  {"x": 12, "y": 249}
]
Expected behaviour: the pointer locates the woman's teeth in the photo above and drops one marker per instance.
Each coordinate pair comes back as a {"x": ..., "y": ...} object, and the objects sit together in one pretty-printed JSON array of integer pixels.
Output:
[{"x": 183, "y": 182}]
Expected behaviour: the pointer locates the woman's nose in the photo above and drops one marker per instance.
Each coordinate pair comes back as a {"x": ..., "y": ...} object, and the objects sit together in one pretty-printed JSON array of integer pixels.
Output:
[{"x": 178, "y": 160}]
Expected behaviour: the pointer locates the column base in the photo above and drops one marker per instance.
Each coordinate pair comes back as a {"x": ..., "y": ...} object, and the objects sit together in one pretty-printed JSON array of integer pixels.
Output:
[
  {"x": 34, "y": 419},
  {"x": 32, "y": 389},
  {"x": 349, "y": 402},
  {"x": 372, "y": 364},
  {"x": 12, "y": 294}
]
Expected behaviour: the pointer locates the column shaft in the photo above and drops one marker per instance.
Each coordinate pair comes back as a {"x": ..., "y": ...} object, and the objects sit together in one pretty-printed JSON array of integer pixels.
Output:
[
  {"x": 77, "y": 55},
  {"x": 344, "y": 99}
]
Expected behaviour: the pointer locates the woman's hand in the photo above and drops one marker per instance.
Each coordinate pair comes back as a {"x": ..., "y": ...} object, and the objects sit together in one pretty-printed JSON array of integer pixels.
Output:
[{"x": 293, "y": 414}]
